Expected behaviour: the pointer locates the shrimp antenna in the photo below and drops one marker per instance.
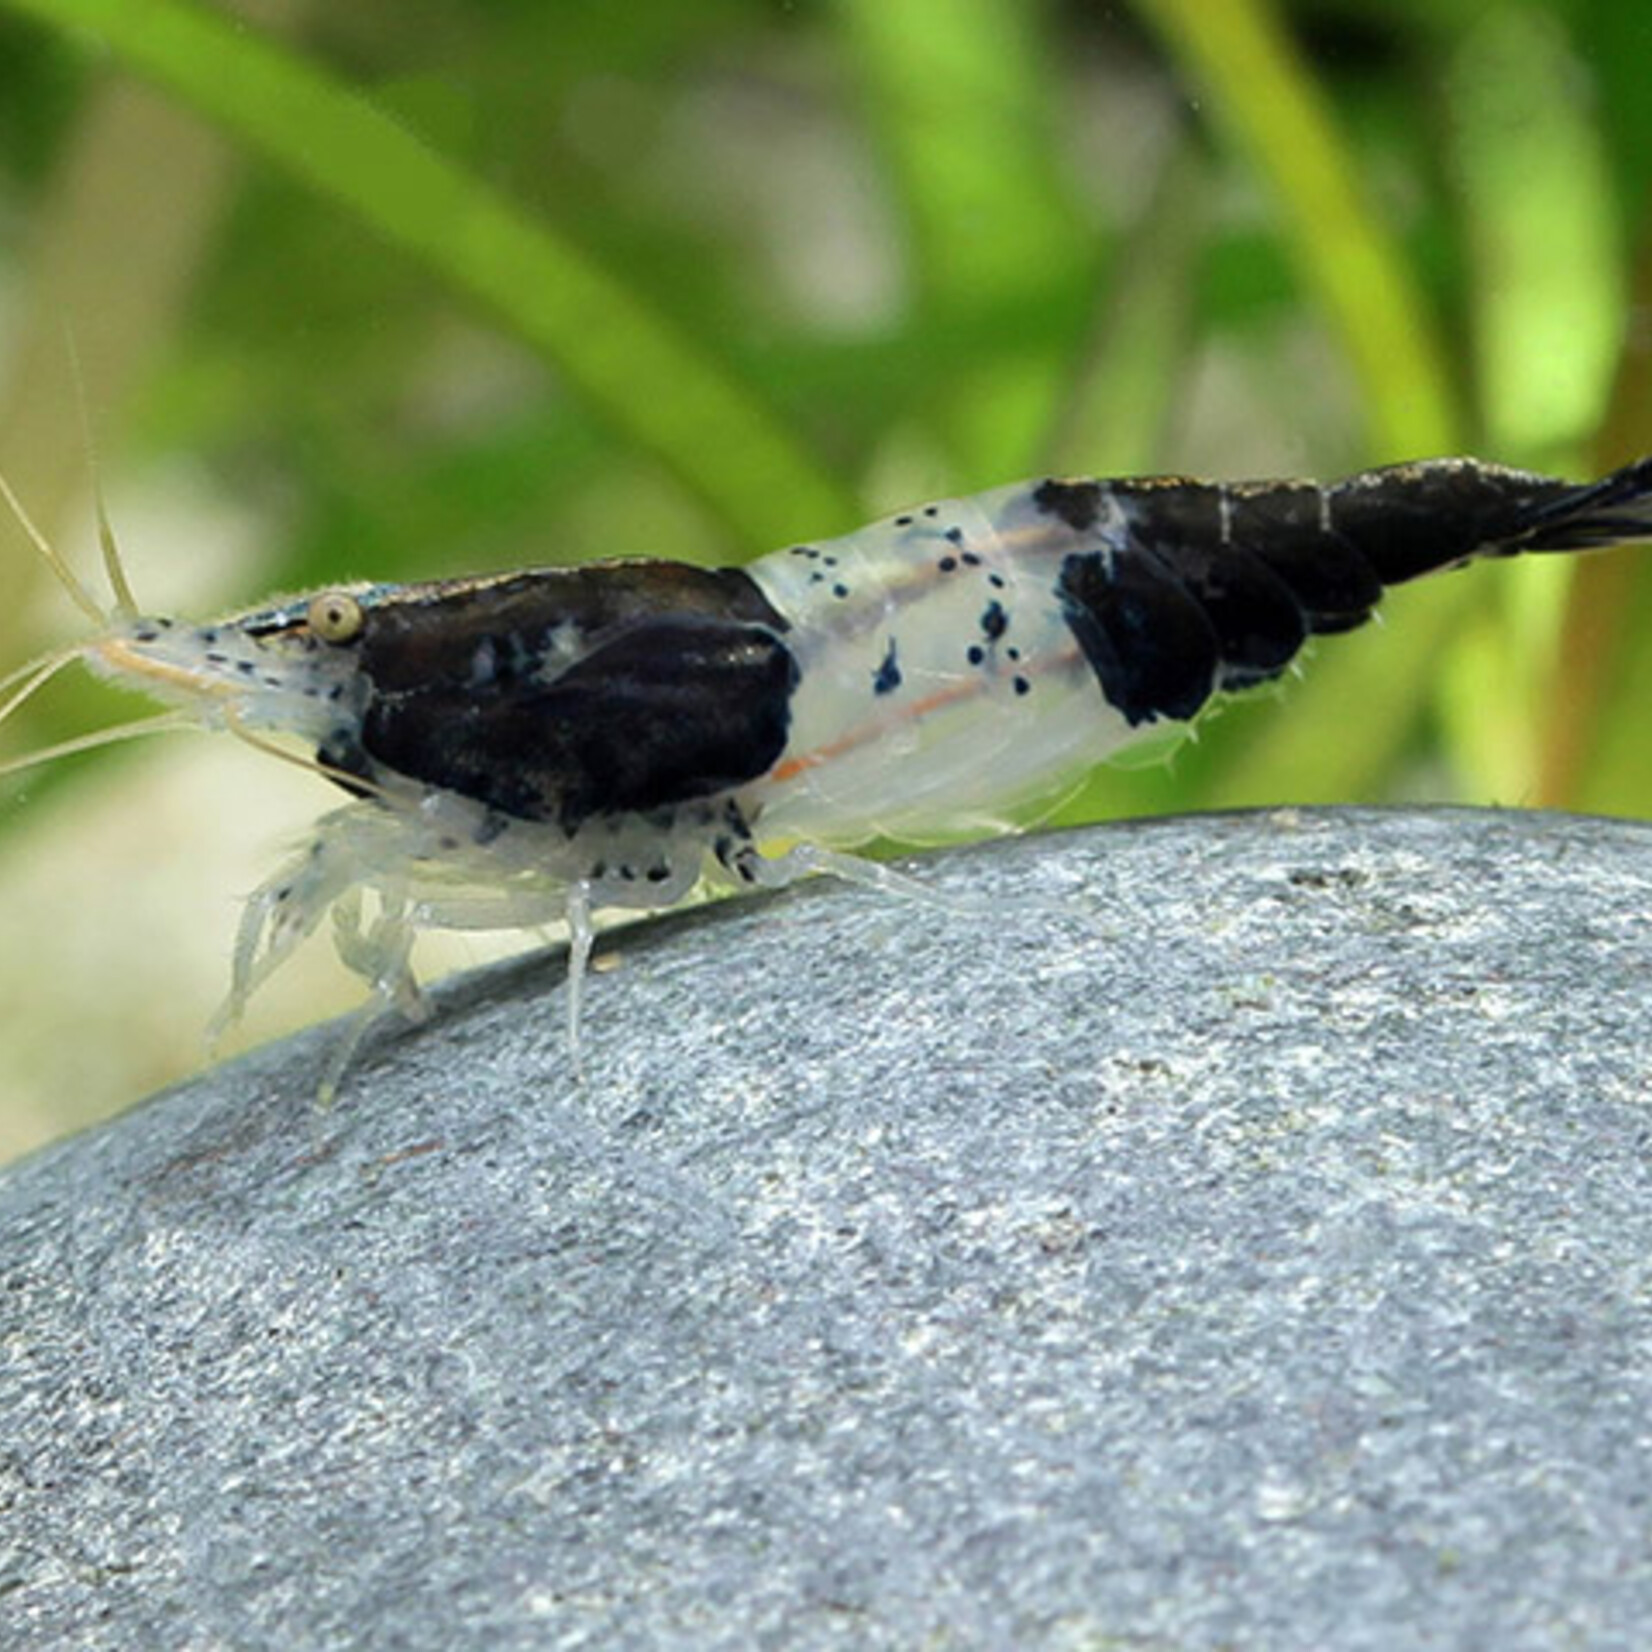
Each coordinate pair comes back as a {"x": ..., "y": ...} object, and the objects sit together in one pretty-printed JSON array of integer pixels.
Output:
[
  {"x": 165, "y": 723},
  {"x": 78, "y": 593},
  {"x": 38, "y": 673},
  {"x": 126, "y": 605}
]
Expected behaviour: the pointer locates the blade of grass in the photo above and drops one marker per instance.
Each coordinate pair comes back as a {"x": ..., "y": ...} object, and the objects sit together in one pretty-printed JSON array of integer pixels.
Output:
[
  {"x": 631, "y": 366},
  {"x": 1263, "y": 94},
  {"x": 1123, "y": 389},
  {"x": 1594, "y": 741},
  {"x": 94, "y": 216},
  {"x": 91, "y": 218},
  {"x": 1534, "y": 191},
  {"x": 1121, "y": 400},
  {"x": 958, "y": 92},
  {"x": 1538, "y": 215},
  {"x": 1593, "y": 752}
]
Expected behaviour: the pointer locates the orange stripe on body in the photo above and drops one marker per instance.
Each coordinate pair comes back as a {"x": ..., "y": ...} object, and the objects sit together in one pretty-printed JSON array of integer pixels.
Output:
[{"x": 792, "y": 767}]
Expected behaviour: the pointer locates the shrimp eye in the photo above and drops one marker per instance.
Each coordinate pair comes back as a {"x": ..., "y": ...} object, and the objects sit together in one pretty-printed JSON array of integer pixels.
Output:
[{"x": 335, "y": 617}]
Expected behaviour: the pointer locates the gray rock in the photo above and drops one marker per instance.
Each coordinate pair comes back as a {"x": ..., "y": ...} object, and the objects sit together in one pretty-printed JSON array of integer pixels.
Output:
[{"x": 1232, "y": 1232}]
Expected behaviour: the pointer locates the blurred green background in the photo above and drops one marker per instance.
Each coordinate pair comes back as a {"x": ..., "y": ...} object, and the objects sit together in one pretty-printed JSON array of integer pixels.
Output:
[{"x": 417, "y": 287}]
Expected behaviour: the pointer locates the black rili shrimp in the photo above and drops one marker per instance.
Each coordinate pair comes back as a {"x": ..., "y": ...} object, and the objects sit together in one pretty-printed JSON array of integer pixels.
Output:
[{"x": 535, "y": 747}]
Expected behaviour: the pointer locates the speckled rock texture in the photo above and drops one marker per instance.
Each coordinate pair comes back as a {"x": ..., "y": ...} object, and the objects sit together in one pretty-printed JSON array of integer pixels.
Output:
[{"x": 1230, "y": 1232}]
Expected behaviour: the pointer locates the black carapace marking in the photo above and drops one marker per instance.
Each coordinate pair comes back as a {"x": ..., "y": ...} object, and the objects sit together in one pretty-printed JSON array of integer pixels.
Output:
[
  {"x": 620, "y": 687},
  {"x": 1078, "y": 504},
  {"x": 887, "y": 678}
]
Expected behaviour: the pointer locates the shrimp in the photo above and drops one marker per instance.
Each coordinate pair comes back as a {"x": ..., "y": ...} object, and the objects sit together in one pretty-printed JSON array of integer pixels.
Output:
[{"x": 542, "y": 746}]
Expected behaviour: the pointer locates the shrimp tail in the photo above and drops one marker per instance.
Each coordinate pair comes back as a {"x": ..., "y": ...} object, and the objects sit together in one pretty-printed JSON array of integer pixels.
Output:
[
  {"x": 1409, "y": 520},
  {"x": 1613, "y": 511},
  {"x": 1178, "y": 588}
]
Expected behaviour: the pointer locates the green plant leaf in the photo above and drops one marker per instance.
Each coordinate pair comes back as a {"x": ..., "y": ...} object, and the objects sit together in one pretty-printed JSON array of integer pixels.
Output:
[
  {"x": 714, "y": 434},
  {"x": 1262, "y": 93}
]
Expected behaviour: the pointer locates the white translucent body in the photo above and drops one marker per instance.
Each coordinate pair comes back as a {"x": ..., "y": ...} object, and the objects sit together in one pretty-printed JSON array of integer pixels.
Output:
[
  {"x": 948, "y": 749},
  {"x": 955, "y": 748}
]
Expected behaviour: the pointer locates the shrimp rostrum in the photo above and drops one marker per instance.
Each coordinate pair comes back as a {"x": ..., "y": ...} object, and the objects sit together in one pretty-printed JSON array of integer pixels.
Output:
[{"x": 538, "y": 746}]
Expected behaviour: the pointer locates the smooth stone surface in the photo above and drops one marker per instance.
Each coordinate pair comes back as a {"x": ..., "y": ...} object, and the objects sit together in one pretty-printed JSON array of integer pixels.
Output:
[{"x": 1237, "y": 1231}]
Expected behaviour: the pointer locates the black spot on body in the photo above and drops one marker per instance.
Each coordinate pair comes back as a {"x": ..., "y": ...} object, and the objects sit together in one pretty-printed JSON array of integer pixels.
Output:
[
  {"x": 347, "y": 763},
  {"x": 887, "y": 678},
  {"x": 994, "y": 621},
  {"x": 1078, "y": 504}
]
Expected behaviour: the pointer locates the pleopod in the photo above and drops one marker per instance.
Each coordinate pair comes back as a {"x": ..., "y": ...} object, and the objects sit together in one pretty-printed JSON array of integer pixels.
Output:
[{"x": 535, "y": 747}]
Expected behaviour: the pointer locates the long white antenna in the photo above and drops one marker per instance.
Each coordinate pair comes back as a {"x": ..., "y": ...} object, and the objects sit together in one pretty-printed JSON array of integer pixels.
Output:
[
  {"x": 78, "y": 593},
  {"x": 166, "y": 722},
  {"x": 126, "y": 605},
  {"x": 38, "y": 673}
]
